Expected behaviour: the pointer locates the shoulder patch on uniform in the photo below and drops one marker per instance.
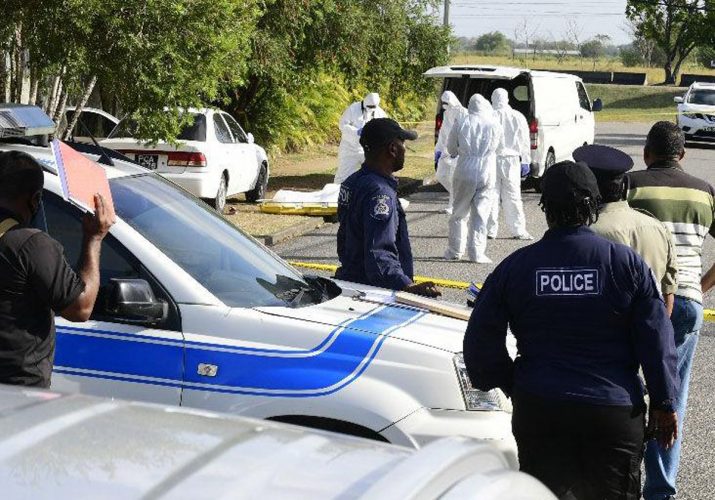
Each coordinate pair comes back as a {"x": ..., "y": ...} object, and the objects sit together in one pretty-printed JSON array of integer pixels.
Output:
[
  {"x": 344, "y": 195},
  {"x": 380, "y": 207},
  {"x": 567, "y": 281}
]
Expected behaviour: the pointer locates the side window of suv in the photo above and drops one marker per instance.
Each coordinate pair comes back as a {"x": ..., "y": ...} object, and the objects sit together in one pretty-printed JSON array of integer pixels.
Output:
[
  {"x": 222, "y": 133},
  {"x": 583, "y": 99},
  {"x": 64, "y": 223}
]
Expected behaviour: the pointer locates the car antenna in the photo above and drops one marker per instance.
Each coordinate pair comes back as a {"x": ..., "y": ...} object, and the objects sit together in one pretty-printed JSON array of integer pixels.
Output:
[{"x": 104, "y": 158}]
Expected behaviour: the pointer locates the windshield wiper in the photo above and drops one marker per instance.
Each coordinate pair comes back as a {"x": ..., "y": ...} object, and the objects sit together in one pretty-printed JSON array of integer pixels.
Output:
[{"x": 293, "y": 296}]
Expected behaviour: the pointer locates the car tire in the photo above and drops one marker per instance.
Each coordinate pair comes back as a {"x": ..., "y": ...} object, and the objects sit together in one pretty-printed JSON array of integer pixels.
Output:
[
  {"x": 219, "y": 202},
  {"x": 550, "y": 161},
  {"x": 259, "y": 190}
]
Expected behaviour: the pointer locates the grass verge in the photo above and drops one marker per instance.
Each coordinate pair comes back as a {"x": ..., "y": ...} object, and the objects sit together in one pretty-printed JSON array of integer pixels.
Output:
[
  {"x": 310, "y": 171},
  {"x": 635, "y": 104}
]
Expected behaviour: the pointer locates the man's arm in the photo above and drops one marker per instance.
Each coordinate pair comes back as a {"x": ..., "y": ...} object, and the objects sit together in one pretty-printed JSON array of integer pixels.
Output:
[
  {"x": 95, "y": 228},
  {"x": 708, "y": 280},
  {"x": 655, "y": 348},
  {"x": 485, "y": 354},
  {"x": 669, "y": 281},
  {"x": 380, "y": 222}
]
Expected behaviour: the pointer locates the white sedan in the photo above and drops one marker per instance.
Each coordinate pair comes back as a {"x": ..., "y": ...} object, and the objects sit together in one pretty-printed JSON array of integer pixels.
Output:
[
  {"x": 696, "y": 112},
  {"x": 214, "y": 157}
]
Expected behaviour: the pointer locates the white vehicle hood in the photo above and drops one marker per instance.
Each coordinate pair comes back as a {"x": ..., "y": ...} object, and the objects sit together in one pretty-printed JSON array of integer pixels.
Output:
[
  {"x": 376, "y": 312},
  {"x": 696, "y": 108}
]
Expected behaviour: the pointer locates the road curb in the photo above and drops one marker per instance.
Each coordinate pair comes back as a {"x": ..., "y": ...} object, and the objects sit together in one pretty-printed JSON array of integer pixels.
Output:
[
  {"x": 290, "y": 232},
  {"x": 405, "y": 189}
]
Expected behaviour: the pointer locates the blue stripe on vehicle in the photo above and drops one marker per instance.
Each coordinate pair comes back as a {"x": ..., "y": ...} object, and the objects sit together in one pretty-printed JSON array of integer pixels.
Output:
[
  {"x": 210, "y": 345},
  {"x": 354, "y": 346}
]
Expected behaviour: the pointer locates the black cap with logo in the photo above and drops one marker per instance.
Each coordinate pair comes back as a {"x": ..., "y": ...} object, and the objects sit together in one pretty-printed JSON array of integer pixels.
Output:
[
  {"x": 569, "y": 182},
  {"x": 381, "y": 131}
]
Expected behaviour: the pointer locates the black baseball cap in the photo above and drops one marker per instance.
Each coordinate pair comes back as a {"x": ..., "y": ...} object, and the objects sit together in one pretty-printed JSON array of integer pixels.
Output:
[
  {"x": 605, "y": 161},
  {"x": 568, "y": 182},
  {"x": 381, "y": 131}
]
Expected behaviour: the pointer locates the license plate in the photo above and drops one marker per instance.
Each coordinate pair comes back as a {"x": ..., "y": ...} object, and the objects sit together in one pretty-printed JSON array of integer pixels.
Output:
[
  {"x": 708, "y": 129},
  {"x": 148, "y": 161}
]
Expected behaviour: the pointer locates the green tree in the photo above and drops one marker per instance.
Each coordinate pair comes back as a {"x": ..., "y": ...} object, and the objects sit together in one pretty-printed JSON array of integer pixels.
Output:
[
  {"x": 152, "y": 54},
  {"x": 492, "y": 42},
  {"x": 676, "y": 27}
]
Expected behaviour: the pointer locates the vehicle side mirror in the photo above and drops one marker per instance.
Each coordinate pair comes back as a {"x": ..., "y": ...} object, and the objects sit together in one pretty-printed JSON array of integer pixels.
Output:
[
  {"x": 250, "y": 138},
  {"x": 678, "y": 99},
  {"x": 597, "y": 105},
  {"x": 133, "y": 301}
]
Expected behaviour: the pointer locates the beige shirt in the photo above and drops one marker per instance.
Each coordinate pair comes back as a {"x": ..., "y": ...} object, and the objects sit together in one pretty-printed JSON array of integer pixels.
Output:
[{"x": 646, "y": 235}]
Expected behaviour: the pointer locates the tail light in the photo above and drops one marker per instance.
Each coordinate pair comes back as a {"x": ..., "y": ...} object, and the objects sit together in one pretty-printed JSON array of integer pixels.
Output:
[
  {"x": 438, "y": 120},
  {"x": 534, "y": 133},
  {"x": 185, "y": 159}
]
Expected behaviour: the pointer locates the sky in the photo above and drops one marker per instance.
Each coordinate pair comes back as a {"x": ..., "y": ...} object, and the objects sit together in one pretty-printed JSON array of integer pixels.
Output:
[{"x": 549, "y": 18}]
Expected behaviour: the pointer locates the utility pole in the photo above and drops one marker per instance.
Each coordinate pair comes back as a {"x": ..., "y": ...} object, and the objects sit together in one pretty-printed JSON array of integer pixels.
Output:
[{"x": 446, "y": 19}]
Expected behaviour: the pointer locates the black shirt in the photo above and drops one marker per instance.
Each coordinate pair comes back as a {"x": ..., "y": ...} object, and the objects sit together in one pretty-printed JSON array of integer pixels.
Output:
[{"x": 35, "y": 280}]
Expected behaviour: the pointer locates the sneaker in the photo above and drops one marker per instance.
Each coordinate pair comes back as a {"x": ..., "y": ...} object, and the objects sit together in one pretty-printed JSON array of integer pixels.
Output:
[
  {"x": 525, "y": 237},
  {"x": 483, "y": 259}
]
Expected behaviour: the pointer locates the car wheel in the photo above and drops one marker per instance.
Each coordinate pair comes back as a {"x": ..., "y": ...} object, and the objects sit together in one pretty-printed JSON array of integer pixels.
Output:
[
  {"x": 550, "y": 160},
  {"x": 259, "y": 191},
  {"x": 219, "y": 202}
]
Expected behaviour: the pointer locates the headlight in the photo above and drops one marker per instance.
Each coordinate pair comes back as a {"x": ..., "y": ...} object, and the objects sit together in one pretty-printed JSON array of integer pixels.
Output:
[{"x": 474, "y": 399}]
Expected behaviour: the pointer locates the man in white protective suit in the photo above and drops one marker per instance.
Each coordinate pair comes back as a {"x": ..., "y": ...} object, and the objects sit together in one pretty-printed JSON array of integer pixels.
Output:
[
  {"x": 511, "y": 160},
  {"x": 475, "y": 139},
  {"x": 453, "y": 111},
  {"x": 350, "y": 153}
]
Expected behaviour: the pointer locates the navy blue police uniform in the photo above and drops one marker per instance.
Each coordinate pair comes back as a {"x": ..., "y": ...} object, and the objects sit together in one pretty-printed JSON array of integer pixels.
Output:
[
  {"x": 373, "y": 243},
  {"x": 586, "y": 314}
]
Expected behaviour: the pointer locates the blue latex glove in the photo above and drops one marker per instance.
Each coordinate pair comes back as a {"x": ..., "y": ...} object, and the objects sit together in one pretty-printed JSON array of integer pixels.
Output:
[
  {"x": 525, "y": 169},
  {"x": 437, "y": 155},
  {"x": 359, "y": 131}
]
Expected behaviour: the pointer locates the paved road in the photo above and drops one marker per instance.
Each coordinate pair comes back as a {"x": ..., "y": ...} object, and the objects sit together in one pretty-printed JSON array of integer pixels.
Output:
[{"x": 428, "y": 233}]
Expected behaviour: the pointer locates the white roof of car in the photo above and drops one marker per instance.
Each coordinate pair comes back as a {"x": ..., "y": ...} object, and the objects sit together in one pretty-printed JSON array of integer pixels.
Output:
[
  {"x": 72, "y": 446},
  {"x": 703, "y": 85},
  {"x": 98, "y": 111},
  {"x": 487, "y": 71}
]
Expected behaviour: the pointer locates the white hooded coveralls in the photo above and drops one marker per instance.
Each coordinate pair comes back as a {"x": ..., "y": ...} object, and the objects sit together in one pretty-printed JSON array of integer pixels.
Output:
[
  {"x": 475, "y": 139},
  {"x": 453, "y": 111},
  {"x": 350, "y": 153},
  {"x": 515, "y": 151}
]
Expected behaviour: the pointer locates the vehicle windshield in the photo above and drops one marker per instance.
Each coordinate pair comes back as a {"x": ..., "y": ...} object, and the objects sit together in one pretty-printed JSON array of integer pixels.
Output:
[
  {"x": 232, "y": 266},
  {"x": 702, "y": 96},
  {"x": 195, "y": 131}
]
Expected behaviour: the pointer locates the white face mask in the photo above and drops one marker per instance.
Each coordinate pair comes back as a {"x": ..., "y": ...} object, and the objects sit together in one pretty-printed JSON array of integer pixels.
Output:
[{"x": 445, "y": 105}]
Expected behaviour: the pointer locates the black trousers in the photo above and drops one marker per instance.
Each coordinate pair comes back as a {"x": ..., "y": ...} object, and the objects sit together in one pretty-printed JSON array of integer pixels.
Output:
[{"x": 580, "y": 451}]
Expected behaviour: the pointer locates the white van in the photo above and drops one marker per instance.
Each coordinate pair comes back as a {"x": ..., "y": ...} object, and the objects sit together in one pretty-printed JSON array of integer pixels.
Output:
[{"x": 556, "y": 105}]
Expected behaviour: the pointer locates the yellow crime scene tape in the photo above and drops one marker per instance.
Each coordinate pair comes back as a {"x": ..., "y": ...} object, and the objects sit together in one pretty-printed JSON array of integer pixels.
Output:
[
  {"x": 708, "y": 314},
  {"x": 298, "y": 208}
]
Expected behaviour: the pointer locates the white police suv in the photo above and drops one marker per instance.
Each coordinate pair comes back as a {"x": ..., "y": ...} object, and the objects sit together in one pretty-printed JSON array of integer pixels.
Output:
[{"x": 193, "y": 312}]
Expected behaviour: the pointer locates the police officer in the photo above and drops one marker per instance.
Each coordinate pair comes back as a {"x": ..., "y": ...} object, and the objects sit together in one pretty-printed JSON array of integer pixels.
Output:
[
  {"x": 586, "y": 313},
  {"x": 618, "y": 222},
  {"x": 373, "y": 244}
]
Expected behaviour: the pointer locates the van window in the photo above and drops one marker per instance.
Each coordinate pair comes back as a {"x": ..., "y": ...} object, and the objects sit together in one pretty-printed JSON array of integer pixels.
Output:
[
  {"x": 521, "y": 93},
  {"x": 583, "y": 99}
]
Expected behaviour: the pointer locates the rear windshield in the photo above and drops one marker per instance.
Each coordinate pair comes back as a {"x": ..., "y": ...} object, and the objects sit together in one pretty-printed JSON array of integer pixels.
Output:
[
  {"x": 706, "y": 97},
  {"x": 196, "y": 131},
  {"x": 518, "y": 89}
]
